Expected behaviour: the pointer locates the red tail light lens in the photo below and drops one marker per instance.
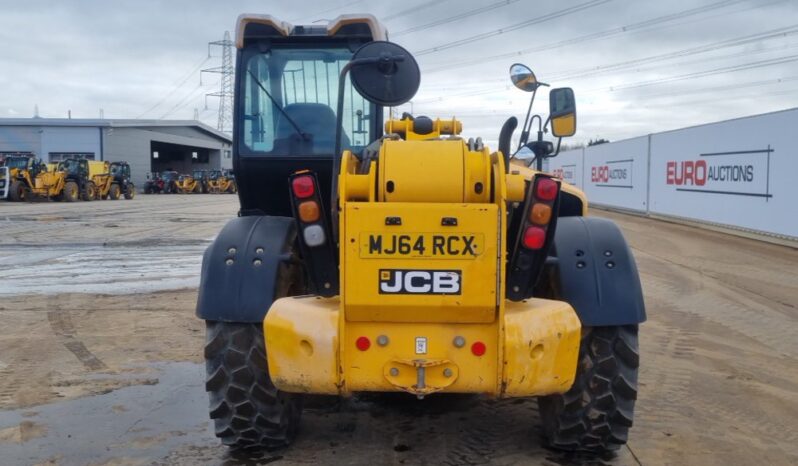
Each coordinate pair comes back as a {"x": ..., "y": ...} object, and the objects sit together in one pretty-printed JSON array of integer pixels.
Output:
[
  {"x": 303, "y": 186},
  {"x": 534, "y": 237},
  {"x": 546, "y": 189},
  {"x": 478, "y": 348},
  {"x": 363, "y": 343}
]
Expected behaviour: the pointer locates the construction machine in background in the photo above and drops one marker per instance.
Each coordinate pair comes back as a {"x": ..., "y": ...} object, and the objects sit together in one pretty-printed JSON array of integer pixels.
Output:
[
  {"x": 29, "y": 177},
  {"x": 170, "y": 179},
  {"x": 5, "y": 180},
  {"x": 221, "y": 181},
  {"x": 154, "y": 183},
  {"x": 404, "y": 257},
  {"x": 121, "y": 184},
  {"x": 188, "y": 184}
]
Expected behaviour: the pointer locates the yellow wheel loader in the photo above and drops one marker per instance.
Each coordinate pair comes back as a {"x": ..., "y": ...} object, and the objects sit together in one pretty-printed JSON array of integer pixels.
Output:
[
  {"x": 403, "y": 257},
  {"x": 30, "y": 177}
]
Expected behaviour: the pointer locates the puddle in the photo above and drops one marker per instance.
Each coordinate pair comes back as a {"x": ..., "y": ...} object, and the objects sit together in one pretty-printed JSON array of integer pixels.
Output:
[
  {"x": 122, "y": 269},
  {"x": 139, "y": 422}
]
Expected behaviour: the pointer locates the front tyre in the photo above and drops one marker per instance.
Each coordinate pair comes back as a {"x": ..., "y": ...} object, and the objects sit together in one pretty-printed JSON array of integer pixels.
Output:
[
  {"x": 130, "y": 192},
  {"x": 596, "y": 413},
  {"x": 248, "y": 411}
]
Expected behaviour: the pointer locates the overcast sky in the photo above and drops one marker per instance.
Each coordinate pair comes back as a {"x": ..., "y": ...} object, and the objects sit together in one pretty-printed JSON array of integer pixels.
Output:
[{"x": 637, "y": 66}]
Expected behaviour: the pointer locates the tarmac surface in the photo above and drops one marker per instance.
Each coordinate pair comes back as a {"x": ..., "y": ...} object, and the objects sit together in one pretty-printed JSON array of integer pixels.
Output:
[{"x": 101, "y": 355}]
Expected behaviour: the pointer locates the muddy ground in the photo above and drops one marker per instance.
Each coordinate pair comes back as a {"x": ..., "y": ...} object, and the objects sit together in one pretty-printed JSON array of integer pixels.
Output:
[{"x": 100, "y": 353}]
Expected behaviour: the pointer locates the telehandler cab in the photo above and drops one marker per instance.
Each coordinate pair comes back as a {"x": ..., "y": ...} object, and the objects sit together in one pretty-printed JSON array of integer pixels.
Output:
[{"x": 411, "y": 260}]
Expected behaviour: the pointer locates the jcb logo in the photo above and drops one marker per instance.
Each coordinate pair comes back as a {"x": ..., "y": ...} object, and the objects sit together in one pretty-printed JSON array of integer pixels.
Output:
[{"x": 393, "y": 281}]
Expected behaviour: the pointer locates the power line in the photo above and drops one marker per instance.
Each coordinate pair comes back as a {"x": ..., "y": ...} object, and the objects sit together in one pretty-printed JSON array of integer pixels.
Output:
[
  {"x": 587, "y": 37},
  {"x": 175, "y": 89},
  {"x": 736, "y": 42},
  {"x": 702, "y": 74},
  {"x": 454, "y": 18},
  {"x": 414, "y": 9},
  {"x": 316, "y": 14},
  {"x": 515, "y": 27}
]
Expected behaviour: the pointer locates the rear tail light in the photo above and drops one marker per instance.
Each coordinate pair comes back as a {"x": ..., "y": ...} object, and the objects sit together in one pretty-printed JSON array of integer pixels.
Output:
[
  {"x": 534, "y": 237},
  {"x": 303, "y": 186},
  {"x": 318, "y": 252},
  {"x": 546, "y": 189},
  {"x": 541, "y": 214},
  {"x": 478, "y": 348},
  {"x": 314, "y": 235},
  {"x": 309, "y": 211}
]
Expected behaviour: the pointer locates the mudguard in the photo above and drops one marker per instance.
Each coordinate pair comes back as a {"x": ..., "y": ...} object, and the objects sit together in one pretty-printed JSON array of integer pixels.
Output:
[
  {"x": 240, "y": 268},
  {"x": 596, "y": 273}
]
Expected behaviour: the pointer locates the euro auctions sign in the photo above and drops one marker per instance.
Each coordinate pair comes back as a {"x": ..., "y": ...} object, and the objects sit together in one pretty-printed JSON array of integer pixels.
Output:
[
  {"x": 741, "y": 173},
  {"x": 733, "y": 173}
]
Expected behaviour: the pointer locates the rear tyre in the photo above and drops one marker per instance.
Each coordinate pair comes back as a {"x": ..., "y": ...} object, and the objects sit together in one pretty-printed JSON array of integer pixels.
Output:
[
  {"x": 71, "y": 191},
  {"x": 596, "y": 413},
  {"x": 248, "y": 411},
  {"x": 115, "y": 192},
  {"x": 232, "y": 189},
  {"x": 130, "y": 192},
  {"x": 90, "y": 193},
  {"x": 19, "y": 191}
]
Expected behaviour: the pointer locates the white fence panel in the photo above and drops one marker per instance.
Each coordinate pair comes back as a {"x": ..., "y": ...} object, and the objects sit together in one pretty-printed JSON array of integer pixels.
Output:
[
  {"x": 616, "y": 174},
  {"x": 568, "y": 166},
  {"x": 740, "y": 173}
]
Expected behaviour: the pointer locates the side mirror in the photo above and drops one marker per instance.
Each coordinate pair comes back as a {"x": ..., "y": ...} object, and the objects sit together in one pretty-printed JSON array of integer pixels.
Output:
[
  {"x": 385, "y": 73},
  {"x": 523, "y": 78},
  {"x": 562, "y": 112}
]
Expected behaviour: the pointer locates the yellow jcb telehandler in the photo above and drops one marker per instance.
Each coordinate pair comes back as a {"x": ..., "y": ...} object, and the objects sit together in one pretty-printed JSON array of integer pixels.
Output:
[
  {"x": 186, "y": 184},
  {"x": 403, "y": 257},
  {"x": 221, "y": 181},
  {"x": 30, "y": 177}
]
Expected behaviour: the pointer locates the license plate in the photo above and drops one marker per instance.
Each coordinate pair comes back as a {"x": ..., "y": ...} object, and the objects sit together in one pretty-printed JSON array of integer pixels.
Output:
[{"x": 426, "y": 245}]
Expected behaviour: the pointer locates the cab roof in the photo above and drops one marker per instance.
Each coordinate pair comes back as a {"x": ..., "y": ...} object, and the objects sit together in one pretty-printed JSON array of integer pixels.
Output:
[{"x": 254, "y": 26}]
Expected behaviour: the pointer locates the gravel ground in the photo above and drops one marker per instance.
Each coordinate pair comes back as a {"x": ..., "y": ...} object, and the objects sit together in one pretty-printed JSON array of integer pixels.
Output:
[{"x": 100, "y": 353}]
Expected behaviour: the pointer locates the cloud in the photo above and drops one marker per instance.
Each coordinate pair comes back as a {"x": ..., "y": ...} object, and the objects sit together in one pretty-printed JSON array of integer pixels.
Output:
[{"x": 125, "y": 57}]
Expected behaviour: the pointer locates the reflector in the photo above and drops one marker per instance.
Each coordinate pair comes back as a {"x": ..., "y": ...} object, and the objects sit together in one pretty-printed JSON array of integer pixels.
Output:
[
  {"x": 478, "y": 348},
  {"x": 363, "y": 343}
]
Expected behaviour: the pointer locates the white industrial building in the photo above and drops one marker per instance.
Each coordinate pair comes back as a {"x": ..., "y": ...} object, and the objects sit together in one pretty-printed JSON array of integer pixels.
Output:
[{"x": 147, "y": 145}]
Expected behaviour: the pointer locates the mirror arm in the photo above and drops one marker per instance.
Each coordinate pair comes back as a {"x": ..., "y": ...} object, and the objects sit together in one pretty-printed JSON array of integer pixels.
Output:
[
  {"x": 559, "y": 140},
  {"x": 525, "y": 129},
  {"x": 339, "y": 123}
]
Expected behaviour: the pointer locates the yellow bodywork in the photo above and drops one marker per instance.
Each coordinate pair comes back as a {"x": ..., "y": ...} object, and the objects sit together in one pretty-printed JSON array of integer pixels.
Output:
[
  {"x": 221, "y": 184},
  {"x": 100, "y": 175},
  {"x": 45, "y": 184},
  {"x": 422, "y": 263},
  {"x": 187, "y": 184}
]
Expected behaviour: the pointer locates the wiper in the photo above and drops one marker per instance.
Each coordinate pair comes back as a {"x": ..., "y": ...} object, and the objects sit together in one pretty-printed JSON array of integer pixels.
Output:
[{"x": 274, "y": 102}]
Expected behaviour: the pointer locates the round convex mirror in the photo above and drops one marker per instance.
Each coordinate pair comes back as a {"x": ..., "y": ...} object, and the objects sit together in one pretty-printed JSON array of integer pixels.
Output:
[
  {"x": 523, "y": 78},
  {"x": 387, "y": 74}
]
